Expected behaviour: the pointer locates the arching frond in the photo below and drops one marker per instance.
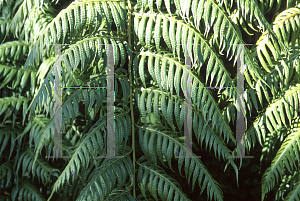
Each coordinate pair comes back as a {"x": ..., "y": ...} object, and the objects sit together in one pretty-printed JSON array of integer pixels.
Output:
[
  {"x": 37, "y": 126},
  {"x": 8, "y": 133},
  {"x": 286, "y": 25},
  {"x": 89, "y": 146},
  {"x": 28, "y": 189},
  {"x": 41, "y": 168},
  {"x": 120, "y": 194},
  {"x": 12, "y": 106},
  {"x": 79, "y": 180},
  {"x": 286, "y": 157},
  {"x": 23, "y": 12},
  {"x": 46, "y": 129},
  {"x": 278, "y": 80},
  {"x": 287, "y": 29},
  {"x": 202, "y": 102},
  {"x": 153, "y": 178},
  {"x": 13, "y": 51},
  {"x": 280, "y": 112},
  {"x": 72, "y": 20},
  {"x": 35, "y": 24},
  {"x": 228, "y": 35},
  {"x": 6, "y": 172},
  {"x": 251, "y": 8},
  {"x": 89, "y": 49},
  {"x": 181, "y": 37},
  {"x": 295, "y": 193},
  {"x": 288, "y": 182},
  {"x": 166, "y": 146},
  {"x": 83, "y": 52},
  {"x": 111, "y": 173}
]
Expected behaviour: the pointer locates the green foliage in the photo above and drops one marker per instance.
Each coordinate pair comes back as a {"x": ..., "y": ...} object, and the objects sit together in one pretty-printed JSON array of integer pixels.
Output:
[{"x": 150, "y": 40}]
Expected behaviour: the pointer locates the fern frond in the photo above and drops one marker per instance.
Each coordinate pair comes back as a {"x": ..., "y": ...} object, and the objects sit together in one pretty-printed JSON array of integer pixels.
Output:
[
  {"x": 286, "y": 25},
  {"x": 282, "y": 109},
  {"x": 166, "y": 146},
  {"x": 286, "y": 157},
  {"x": 200, "y": 96},
  {"x": 41, "y": 168},
  {"x": 155, "y": 179},
  {"x": 6, "y": 172},
  {"x": 120, "y": 194},
  {"x": 219, "y": 76},
  {"x": 91, "y": 144},
  {"x": 72, "y": 57},
  {"x": 37, "y": 126},
  {"x": 12, "y": 107},
  {"x": 252, "y": 8},
  {"x": 21, "y": 15},
  {"x": 295, "y": 193},
  {"x": 8, "y": 133},
  {"x": 38, "y": 20},
  {"x": 16, "y": 75},
  {"x": 79, "y": 181},
  {"x": 278, "y": 80},
  {"x": 64, "y": 24},
  {"x": 42, "y": 135},
  {"x": 288, "y": 182},
  {"x": 181, "y": 36},
  {"x": 112, "y": 172},
  {"x": 4, "y": 24},
  {"x": 13, "y": 51},
  {"x": 28, "y": 189},
  {"x": 178, "y": 114},
  {"x": 287, "y": 29},
  {"x": 228, "y": 34}
]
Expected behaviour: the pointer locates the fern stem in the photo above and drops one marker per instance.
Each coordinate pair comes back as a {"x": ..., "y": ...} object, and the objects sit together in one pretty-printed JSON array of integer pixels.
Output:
[{"x": 131, "y": 106}]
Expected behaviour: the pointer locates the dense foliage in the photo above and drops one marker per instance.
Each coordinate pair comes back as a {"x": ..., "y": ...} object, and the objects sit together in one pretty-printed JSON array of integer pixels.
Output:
[{"x": 150, "y": 40}]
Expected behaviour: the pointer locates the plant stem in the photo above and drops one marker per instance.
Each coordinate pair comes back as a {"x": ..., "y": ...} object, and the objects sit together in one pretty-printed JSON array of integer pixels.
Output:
[{"x": 131, "y": 106}]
